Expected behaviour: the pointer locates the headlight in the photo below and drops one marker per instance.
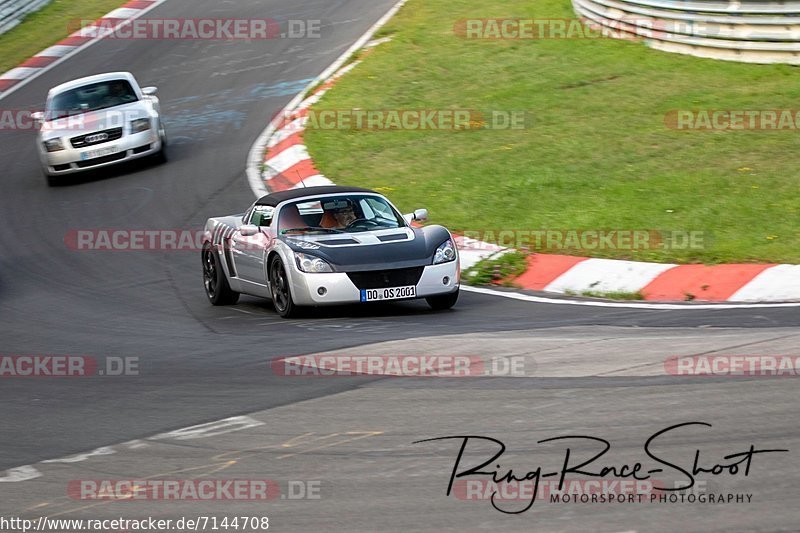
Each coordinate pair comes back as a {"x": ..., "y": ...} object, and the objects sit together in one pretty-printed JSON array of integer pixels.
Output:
[
  {"x": 311, "y": 264},
  {"x": 445, "y": 253},
  {"x": 53, "y": 145},
  {"x": 139, "y": 125}
]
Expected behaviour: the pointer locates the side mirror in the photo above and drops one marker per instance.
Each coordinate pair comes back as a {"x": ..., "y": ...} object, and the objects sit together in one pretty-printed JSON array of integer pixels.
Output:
[
  {"x": 420, "y": 215},
  {"x": 149, "y": 91},
  {"x": 248, "y": 230},
  {"x": 37, "y": 117}
]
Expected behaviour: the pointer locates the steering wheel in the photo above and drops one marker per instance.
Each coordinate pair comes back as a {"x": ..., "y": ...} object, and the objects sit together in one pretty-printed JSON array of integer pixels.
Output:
[{"x": 359, "y": 220}]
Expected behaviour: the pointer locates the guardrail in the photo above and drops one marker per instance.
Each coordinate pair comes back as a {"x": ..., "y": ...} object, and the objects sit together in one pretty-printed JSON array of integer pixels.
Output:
[
  {"x": 13, "y": 11},
  {"x": 746, "y": 30}
]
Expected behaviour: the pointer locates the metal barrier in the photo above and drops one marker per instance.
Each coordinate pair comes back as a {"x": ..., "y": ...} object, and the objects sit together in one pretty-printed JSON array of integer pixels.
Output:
[
  {"x": 746, "y": 30},
  {"x": 13, "y": 11}
]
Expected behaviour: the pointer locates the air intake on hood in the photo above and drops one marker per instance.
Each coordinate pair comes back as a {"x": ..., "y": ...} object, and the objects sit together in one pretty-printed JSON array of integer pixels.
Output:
[
  {"x": 393, "y": 237},
  {"x": 337, "y": 242}
]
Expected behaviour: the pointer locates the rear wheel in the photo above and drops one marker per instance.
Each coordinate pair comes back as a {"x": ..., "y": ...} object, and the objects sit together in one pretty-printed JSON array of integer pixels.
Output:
[
  {"x": 218, "y": 290},
  {"x": 444, "y": 301},
  {"x": 281, "y": 292}
]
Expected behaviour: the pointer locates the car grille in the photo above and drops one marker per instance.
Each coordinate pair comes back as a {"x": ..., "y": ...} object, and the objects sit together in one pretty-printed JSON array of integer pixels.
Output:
[
  {"x": 110, "y": 135},
  {"x": 101, "y": 160},
  {"x": 381, "y": 279}
]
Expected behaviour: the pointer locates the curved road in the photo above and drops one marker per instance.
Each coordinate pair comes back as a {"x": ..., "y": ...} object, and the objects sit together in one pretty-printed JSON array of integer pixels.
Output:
[{"x": 199, "y": 363}]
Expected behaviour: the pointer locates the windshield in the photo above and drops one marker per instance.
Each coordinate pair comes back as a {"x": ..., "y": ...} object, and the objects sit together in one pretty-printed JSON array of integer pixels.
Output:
[
  {"x": 90, "y": 98},
  {"x": 335, "y": 214}
]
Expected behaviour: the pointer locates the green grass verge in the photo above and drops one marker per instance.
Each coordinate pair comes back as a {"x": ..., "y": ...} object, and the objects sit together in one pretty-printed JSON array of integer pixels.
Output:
[
  {"x": 598, "y": 155},
  {"x": 48, "y": 26},
  {"x": 609, "y": 295},
  {"x": 502, "y": 269}
]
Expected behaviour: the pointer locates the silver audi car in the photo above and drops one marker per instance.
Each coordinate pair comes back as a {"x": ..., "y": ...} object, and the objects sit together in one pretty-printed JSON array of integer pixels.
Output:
[
  {"x": 328, "y": 245},
  {"x": 98, "y": 121}
]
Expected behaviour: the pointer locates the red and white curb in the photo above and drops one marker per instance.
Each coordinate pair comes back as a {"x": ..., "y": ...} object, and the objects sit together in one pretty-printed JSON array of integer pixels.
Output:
[
  {"x": 287, "y": 165},
  {"x": 77, "y": 41},
  {"x": 279, "y": 160},
  {"x": 663, "y": 282}
]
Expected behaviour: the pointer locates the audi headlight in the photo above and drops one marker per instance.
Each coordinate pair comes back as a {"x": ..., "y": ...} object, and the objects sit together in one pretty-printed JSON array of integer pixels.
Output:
[
  {"x": 445, "y": 253},
  {"x": 311, "y": 264},
  {"x": 139, "y": 125},
  {"x": 53, "y": 145}
]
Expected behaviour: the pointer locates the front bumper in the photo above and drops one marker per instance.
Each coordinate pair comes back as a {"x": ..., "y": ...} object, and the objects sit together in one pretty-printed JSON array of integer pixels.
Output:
[
  {"x": 339, "y": 289},
  {"x": 126, "y": 148}
]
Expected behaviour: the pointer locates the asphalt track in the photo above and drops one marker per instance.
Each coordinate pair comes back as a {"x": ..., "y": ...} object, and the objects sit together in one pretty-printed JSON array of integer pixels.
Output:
[{"x": 199, "y": 363}]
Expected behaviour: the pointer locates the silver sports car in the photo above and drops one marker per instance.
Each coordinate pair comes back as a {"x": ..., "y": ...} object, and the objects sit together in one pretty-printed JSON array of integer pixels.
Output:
[
  {"x": 328, "y": 245},
  {"x": 98, "y": 121}
]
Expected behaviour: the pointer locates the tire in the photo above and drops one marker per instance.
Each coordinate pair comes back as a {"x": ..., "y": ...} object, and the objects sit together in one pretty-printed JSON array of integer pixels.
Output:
[
  {"x": 52, "y": 181},
  {"x": 216, "y": 285},
  {"x": 445, "y": 301},
  {"x": 281, "y": 291},
  {"x": 161, "y": 156}
]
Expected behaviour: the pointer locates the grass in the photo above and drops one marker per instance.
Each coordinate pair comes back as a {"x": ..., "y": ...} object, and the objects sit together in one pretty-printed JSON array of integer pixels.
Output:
[
  {"x": 47, "y": 26},
  {"x": 610, "y": 295},
  {"x": 502, "y": 270},
  {"x": 597, "y": 155}
]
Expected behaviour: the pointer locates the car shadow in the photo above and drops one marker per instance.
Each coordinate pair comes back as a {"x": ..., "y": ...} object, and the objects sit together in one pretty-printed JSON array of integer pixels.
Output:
[
  {"x": 110, "y": 172},
  {"x": 368, "y": 310}
]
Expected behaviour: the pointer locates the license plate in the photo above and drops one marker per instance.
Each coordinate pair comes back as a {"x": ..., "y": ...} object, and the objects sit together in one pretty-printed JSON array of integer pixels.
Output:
[
  {"x": 100, "y": 152},
  {"x": 394, "y": 293}
]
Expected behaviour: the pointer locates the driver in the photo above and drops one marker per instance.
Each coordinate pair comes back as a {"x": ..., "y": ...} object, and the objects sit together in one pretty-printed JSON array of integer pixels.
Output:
[
  {"x": 118, "y": 93},
  {"x": 338, "y": 217}
]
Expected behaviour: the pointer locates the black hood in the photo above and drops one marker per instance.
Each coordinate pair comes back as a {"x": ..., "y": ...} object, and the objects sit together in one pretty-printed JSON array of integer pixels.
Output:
[{"x": 386, "y": 255}]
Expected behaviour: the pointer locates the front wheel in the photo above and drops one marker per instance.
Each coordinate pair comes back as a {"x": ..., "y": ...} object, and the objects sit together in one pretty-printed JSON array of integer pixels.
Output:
[
  {"x": 281, "y": 292},
  {"x": 444, "y": 301},
  {"x": 51, "y": 179},
  {"x": 161, "y": 155},
  {"x": 218, "y": 290}
]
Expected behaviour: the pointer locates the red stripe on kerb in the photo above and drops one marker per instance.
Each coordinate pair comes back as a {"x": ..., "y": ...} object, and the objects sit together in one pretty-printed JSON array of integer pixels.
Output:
[
  {"x": 288, "y": 142},
  {"x": 302, "y": 170},
  {"x": 701, "y": 282},
  {"x": 543, "y": 269},
  {"x": 139, "y": 4},
  {"x": 107, "y": 22},
  {"x": 324, "y": 86},
  {"x": 6, "y": 84},
  {"x": 39, "y": 61},
  {"x": 75, "y": 40},
  {"x": 292, "y": 176}
]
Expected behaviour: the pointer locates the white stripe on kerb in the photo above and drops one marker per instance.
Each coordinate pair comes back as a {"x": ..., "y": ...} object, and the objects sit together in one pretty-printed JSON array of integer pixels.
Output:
[
  {"x": 19, "y": 73},
  {"x": 781, "y": 282},
  {"x": 288, "y": 158},
  {"x": 57, "y": 50},
  {"x": 313, "y": 181},
  {"x": 290, "y": 129},
  {"x": 122, "y": 13},
  {"x": 607, "y": 275}
]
